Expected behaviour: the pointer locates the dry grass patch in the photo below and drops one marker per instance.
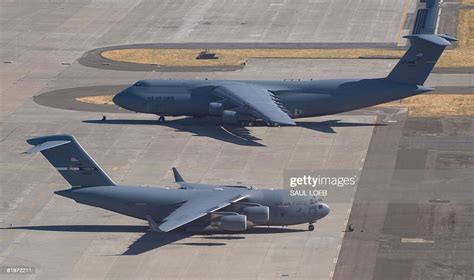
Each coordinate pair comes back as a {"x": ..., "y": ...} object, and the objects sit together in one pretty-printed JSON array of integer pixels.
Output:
[
  {"x": 463, "y": 54},
  {"x": 436, "y": 105},
  {"x": 233, "y": 57},
  {"x": 99, "y": 99}
]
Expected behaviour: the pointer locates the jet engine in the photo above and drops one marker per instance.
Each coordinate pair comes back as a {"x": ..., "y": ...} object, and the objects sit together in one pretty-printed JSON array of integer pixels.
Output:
[
  {"x": 216, "y": 108},
  {"x": 257, "y": 214},
  {"x": 230, "y": 116},
  {"x": 230, "y": 221},
  {"x": 234, "y": 222}
]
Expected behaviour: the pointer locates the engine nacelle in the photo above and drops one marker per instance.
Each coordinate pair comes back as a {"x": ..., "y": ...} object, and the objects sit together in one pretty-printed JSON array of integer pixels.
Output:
[
  {"x": 257, "y": 214},
  {"x": 230, "y": 116},
  {"x": 216, "y": 108},
  {"x": 233, "y": 222}
]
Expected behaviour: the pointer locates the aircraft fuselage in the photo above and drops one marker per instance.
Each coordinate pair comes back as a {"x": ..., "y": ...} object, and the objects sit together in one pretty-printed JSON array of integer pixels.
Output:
[
  {"x": 300, "y": 98},
  {"x": 138, "y": 202}
]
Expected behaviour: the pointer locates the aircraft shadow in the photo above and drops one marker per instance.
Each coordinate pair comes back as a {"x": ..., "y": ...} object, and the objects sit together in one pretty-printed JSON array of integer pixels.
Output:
[
  {"x": 328, "y": 126},
  {"x": 204, "y": 127},
  {"x": 208, "y": 244},
  {"x": 266, "y": 230},
  {"x": 222, "y": 237},
  {"x": 85, "y": 228},
  {"x": 152, "y": 240}
]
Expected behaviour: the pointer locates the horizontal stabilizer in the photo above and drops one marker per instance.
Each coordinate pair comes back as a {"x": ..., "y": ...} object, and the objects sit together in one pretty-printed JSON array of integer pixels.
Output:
[{"x": 440, "y": 40}]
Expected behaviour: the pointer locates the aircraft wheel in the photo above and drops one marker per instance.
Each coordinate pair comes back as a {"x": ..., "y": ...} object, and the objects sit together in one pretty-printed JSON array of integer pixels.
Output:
[
  {"x": 161, "y": 119},
  {"x": 311, "y": 227}
]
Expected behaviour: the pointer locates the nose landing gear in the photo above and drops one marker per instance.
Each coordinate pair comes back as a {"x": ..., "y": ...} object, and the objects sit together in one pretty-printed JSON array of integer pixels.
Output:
[
  {"x": 161, "y": 119},
  {"x": 310, "y": 227}
]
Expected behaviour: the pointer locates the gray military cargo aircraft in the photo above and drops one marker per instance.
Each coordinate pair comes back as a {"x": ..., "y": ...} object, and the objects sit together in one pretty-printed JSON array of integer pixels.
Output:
[
  {"x": 193, "y": 207},
  {"x": 278, "y": 102}
]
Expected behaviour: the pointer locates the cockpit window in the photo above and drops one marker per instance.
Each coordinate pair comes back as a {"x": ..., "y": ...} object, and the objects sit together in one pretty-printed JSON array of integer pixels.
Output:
[{"x": 139, "y": 84}]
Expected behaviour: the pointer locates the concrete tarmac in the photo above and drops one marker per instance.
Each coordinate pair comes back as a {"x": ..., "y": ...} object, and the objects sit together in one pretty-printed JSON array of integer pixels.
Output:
[
  {"x": 59, "y": 239},
  {"x": 65, "y": 239}
]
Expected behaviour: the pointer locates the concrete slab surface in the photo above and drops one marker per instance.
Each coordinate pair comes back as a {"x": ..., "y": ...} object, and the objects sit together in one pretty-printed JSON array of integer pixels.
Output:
[
  {"x": 43, "y": 40},
  {"x": 434, "y": 159},
  {"x": 143, "y": 154}
]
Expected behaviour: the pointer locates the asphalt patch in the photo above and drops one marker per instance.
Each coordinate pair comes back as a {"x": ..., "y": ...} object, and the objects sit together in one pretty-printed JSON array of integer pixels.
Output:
[{"x": 66, "y": 99}]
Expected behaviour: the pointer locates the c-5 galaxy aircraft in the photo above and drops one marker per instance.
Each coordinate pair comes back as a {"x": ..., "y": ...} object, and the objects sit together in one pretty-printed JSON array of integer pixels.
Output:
[
  {"x": 278, "y": 102},
  {"x": 193, "y": 207}
]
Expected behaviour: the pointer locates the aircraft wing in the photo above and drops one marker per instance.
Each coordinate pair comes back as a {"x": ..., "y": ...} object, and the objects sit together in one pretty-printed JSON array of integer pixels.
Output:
[
  {"x": 257, "y": 101},
  {"x": 202, "y": 203}
]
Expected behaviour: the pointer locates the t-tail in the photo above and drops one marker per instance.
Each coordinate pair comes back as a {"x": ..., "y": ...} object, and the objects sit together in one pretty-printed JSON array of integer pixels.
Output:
[
  {"x": 71, "y": 160},
  {"x": 419, "y": 60}
]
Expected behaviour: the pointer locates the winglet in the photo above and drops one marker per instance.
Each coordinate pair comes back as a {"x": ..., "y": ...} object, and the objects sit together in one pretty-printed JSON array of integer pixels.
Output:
[
  {"x": 153, "y": 225},
  {"x": 46, "y": 145},
  {"x": 177, "y": 177}
]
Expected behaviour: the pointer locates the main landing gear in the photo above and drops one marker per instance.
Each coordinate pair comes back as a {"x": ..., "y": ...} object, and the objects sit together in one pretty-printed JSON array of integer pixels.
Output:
[
  {"x": 273, "y": 124},
  {"x": 161, "y": 119},
  {"x": 311, "y": 227}
]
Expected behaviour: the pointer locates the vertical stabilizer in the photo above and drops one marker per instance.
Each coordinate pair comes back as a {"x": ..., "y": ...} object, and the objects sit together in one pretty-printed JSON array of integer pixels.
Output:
[
  {"x": 419, "y": 60},
  {"x": 70, "y": 160}
]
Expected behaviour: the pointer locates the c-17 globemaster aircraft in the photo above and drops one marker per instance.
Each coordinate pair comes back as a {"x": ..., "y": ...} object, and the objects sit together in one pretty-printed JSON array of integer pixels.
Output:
[
  {"x": 193, "y": 207},
  {"x": 278, "y": 102}
]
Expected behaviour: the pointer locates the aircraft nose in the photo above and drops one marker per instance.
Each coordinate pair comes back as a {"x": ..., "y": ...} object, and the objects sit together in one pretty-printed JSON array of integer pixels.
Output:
[
  {"x": 124, "y": 99},
  {"x": 119, "y": 98},
  {"x": 325, "y": 210}
]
